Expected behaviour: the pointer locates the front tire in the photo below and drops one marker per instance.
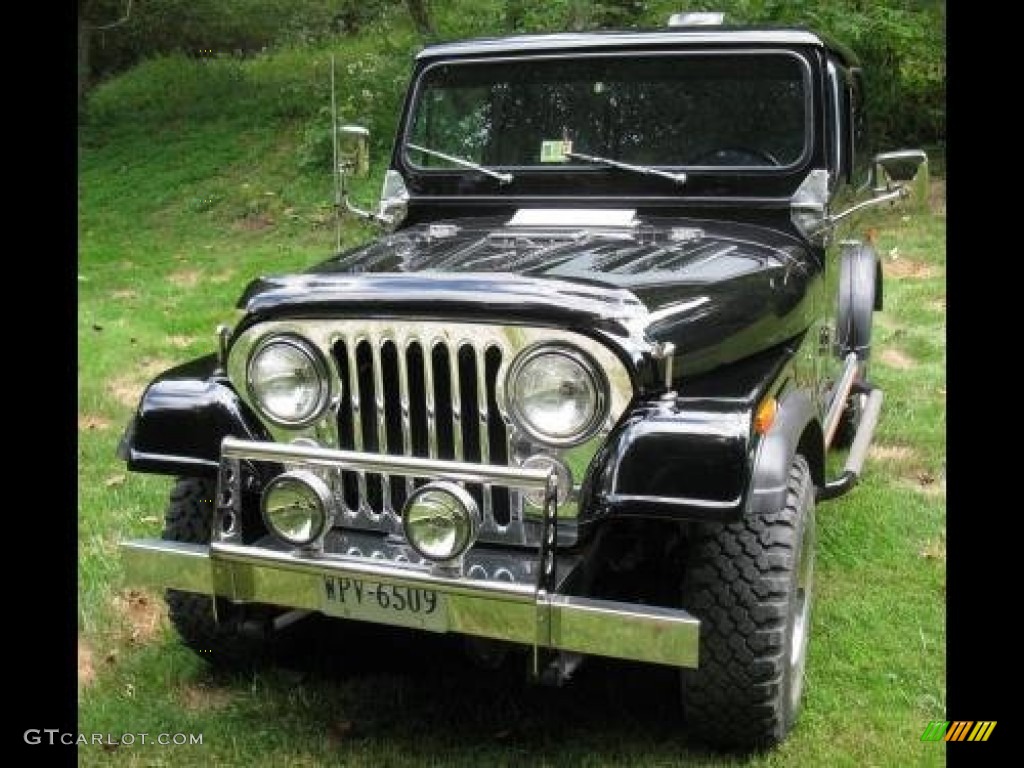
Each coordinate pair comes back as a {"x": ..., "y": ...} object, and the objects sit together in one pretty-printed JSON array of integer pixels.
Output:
[
  {"x": 750, "y": 584},
  {"x": 232, "y": 636}
]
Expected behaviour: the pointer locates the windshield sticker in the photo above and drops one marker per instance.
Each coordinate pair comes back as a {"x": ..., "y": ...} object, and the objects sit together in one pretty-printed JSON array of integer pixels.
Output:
[{"x": 554, "y": 151}]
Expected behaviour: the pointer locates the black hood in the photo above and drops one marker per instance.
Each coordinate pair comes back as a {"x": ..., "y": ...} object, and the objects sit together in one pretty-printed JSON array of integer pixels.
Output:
[{"x": 719, "y": 291}]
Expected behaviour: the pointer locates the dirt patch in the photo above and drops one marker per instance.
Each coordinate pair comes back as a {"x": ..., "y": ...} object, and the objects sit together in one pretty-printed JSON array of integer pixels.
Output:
[
  {"x": 926, "y": 483},
  {"x": 256, "y": 222},
  {"x": 937, "y": 305},
  {"x": 900, "y": 269},
  {"x": 935, "y": 490},
  {"x": 181, "y": 342},
  {"x": 200, "y": 698},
  {"x": 127, "y": 389},
  {"x": 87, "y": 421},
  {"x": 934, "y": 549},
  {"x": 896, "y": 359},
  {"x": 86, "y": 668},
  {"x": 185, "y": 278},
  {"x": 124, "y": 294},
  {"x": 151, "y": 366},
  {"x": 222, "y": 277},
  {"x": 891, "y": 452},
  {"x": 143, "y": 612}
]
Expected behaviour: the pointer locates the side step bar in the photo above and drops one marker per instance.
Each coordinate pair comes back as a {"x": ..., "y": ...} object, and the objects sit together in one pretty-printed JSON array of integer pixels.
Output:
[
  {"x": 858, "y": 451},
  {"x": 844, "y": 386}
]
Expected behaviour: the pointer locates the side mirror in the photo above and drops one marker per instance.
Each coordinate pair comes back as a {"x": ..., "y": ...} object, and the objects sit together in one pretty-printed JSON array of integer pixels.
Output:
[
  {"x": 894, "y": 176},
  {"x": 352, "y": 149},
  {"x": 905, "y": 171},
  {"x": 353, "y": 154}
]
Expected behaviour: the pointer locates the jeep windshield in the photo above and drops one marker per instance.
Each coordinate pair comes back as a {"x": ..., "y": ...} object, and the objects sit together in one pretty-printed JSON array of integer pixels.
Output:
[{"x": 690, "y": 110}]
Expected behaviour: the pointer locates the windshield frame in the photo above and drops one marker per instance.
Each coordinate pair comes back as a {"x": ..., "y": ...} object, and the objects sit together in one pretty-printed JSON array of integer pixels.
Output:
[{"x": 806, "y": 72}]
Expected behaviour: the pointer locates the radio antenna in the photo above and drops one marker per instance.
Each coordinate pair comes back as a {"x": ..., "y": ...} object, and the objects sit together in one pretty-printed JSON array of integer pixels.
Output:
[{"x": 336, "y": 173}]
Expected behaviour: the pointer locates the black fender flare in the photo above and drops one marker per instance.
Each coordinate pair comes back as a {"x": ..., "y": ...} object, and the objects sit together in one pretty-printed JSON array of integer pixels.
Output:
[
  {"x": 664, "y": 461},
  {"x": 860, "y": 295},
  {"x": 796, "y": 429},
  {"x": 182, "y": 417}
]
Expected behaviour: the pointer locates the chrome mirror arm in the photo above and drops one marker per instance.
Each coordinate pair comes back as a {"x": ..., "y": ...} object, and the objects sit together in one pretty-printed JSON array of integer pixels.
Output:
[
  {"x": 362, "y": 213},
  {"x": 898, "y": 193}
]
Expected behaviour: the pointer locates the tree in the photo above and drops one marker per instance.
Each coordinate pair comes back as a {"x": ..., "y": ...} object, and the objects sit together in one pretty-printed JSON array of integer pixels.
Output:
[
  {"x": 93, "y": 16},
  {"x": 515, "y": 11},
  {"x": 420, "y": 17}
]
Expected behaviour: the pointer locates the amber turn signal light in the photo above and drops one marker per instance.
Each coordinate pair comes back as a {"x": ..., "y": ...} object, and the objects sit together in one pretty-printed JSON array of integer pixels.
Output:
[{"x": 765, "y": 416}]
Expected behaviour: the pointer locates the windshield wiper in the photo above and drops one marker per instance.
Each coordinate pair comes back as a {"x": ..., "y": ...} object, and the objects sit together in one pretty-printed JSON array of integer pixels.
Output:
[
  {"x": 678, "y": 178},
  {"x": 504, "y": 178}
]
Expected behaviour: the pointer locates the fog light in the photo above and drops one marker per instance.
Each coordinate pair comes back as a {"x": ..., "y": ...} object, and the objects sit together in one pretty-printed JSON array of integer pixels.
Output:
[
  {"x": 562, "y": 474},
  {"x": 296, "y": 507},
  {"x": 441, "y": 520}
]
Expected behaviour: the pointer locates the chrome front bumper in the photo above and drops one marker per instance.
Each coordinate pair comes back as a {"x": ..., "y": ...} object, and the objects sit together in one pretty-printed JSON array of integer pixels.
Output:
[
  {"x": 532, "y": 614},
  {"x": 493, "y": 609}
]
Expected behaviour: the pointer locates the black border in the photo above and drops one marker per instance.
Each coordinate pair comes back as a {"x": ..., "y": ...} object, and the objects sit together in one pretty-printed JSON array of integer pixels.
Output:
[
  {"x": 41, "y": 504},
  {"x": 983, "y": 458}
]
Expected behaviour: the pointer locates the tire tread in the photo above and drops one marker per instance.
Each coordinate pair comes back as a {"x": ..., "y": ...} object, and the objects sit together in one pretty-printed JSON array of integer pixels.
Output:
[{"x": 739, "y": 584}]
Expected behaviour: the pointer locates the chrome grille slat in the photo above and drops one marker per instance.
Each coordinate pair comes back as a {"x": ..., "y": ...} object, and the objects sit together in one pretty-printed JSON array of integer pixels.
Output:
[
  {"x": 431, "y": 406},
  {"x": 515, "y": 506},
  {"x": 382, "y": 428},
  {"x": 356, "y": 400},
  {"x": 484, "y": 426},
  {"x": 456, "y": 399},
  {"x": 403, "y": 399}
]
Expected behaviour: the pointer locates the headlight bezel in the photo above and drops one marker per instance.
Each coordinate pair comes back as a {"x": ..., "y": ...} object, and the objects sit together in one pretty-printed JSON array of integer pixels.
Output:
[
  {"x": 594, "y": 374},
  {"x": 318, "y": 489},
  {"x": 319, "y": 365}
]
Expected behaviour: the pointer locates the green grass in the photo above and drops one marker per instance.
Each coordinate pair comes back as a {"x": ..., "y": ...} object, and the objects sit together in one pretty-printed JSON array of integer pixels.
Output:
[{"x": 179, "y": 207}]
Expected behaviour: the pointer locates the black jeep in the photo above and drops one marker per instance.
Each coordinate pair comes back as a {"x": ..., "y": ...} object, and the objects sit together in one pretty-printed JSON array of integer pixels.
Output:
[{"x": 578, "y": 398}]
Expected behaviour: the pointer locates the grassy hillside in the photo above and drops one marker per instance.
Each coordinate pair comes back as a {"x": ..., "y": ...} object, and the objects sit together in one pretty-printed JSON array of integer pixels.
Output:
[{"x": 199, "y": 175}]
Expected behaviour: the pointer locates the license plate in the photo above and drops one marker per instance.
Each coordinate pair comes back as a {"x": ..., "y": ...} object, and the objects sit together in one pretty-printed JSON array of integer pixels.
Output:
[{"x": 367, "y": 600}]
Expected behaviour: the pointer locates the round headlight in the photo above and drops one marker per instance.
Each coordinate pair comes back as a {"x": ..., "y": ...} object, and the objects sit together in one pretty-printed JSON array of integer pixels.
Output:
[
  {"x": 288, "y": 381},
  {"x": 556, "y": 395},
  {"x": 440, "y": 520},
  {"x": 296, "y": 507}
]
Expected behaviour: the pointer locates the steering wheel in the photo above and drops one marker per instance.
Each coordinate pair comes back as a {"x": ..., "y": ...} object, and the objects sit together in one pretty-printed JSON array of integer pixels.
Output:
[{"x": 737, "y": 156}]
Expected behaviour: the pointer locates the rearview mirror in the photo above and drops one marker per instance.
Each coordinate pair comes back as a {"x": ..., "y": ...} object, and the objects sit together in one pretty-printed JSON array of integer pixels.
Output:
[
  {"x": 353, "y": 153},
  {"x": 906, "y": 170}
]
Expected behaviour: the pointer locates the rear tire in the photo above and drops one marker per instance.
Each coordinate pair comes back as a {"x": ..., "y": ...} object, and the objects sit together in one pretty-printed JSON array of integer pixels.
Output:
[
  {"x": 233, "y": 637},
  {"x": 750, "y": 584}
]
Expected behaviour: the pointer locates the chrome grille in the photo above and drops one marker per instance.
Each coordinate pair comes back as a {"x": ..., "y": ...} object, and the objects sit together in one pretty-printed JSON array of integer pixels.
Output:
[
  {"x": 431, "y": 389},
  {"x": 424, "y": 397}
]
